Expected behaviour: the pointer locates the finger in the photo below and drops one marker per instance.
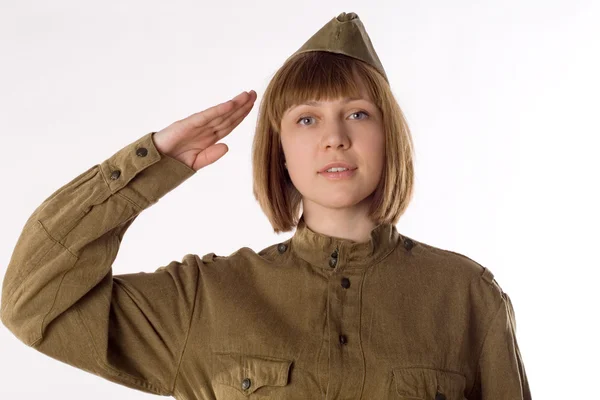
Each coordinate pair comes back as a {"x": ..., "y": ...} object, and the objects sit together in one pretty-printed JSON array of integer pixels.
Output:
[
  {"x": 233, "y": 114},
  {"x": 220, "y": 134},
  {"x": 233, "y": 117},
  {"x": 201, "y": 118},
  {"x": 226, "y": 129},
  {"x": 210, "y": 155}
]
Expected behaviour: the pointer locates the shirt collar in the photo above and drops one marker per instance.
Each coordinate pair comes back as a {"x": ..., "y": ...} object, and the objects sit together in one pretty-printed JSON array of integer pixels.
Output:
[{"x": 332, "y": 252}]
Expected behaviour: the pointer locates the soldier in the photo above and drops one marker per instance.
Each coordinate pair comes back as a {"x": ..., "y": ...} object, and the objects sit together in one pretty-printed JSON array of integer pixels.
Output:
[{"x": 348, "y": 308}]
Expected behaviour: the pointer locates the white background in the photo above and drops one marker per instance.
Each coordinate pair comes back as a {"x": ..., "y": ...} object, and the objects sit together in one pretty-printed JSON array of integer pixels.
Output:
[{"x": 501, "y": 97}]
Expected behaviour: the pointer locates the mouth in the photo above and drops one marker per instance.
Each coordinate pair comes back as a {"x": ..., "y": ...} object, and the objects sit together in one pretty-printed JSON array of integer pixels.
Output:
[
  {"x": 337, "y": 166},
  {"x": 337, "y": 175}
]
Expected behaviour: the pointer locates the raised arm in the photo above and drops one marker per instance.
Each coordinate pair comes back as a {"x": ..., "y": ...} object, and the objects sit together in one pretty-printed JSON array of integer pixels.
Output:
[{"x": 59, "y": 294}]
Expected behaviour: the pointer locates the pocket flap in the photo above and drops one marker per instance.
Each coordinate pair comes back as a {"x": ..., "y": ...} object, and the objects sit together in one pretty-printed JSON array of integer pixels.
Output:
[
  {"x": 248, "y": 373},
  {"x": 414, "y": 383}
]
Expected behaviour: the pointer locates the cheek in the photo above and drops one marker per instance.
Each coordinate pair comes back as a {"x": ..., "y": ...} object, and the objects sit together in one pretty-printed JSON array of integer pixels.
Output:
[
  {"x": 297, "y": 153},
  {"x": 297, "y": 158},
  {"x": 374, "y": 152}
]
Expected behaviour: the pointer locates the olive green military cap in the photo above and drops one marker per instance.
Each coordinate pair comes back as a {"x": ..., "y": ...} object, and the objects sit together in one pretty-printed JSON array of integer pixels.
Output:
[{"x": 344, "y": 34}]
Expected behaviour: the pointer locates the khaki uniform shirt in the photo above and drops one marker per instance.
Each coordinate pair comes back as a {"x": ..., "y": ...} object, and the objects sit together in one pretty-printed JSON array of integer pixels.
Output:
[{"x": 314, "y": 317}]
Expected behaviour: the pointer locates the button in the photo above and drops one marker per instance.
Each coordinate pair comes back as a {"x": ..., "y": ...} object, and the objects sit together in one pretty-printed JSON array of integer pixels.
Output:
[
  {"x": 142, "y": 152},
  {"x": 343, "y": 339},
  {"x": 282, "y": 247},
  {"x": 345, "y": 283},
  {"x": 332, "y": 262},
  {"x": 408, "y": 243},
  {"x": 246, "y": 383},
  {"x": 115, "y": 174},
  {"x": 334, "y": 254},
  {"x": 440, "y": 396}
]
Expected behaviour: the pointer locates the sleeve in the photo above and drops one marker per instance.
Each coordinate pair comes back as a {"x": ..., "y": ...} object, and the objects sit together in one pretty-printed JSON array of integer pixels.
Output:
[
  {"x": 60, "y": 297},
  {"x": 500, "y": 372}
]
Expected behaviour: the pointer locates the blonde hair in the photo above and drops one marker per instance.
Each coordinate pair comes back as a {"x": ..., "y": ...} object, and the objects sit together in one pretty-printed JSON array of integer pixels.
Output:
[{"x": 318, "y": 75}]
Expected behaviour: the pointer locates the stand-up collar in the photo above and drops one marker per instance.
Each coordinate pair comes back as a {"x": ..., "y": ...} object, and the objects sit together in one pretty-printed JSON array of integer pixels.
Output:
[{"x": 332, "y": 252}]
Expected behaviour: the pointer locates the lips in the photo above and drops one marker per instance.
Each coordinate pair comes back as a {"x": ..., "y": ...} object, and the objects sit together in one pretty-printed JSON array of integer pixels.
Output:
[{"x": 337, "y": 165}]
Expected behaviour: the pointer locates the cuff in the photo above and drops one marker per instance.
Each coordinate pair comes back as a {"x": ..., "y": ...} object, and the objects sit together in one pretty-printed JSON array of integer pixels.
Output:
[{"x": 143, "y": 174}]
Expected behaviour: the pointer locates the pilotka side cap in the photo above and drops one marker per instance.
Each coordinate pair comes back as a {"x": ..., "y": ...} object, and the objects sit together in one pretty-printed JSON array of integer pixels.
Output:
[{"x": 344, "y": 34}]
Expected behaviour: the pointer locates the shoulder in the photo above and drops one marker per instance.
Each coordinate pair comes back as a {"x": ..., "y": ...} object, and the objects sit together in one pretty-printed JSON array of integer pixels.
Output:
[
  {"x": 455, "y": 266},
  {"x": 456, "y": 275},
  {"x": 248, "y": 256}
]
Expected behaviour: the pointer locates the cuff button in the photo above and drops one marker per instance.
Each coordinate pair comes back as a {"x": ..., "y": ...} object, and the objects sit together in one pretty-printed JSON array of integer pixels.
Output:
[
  {"x": 115, "y": 175},
  {"x": 142, "y": 152}
]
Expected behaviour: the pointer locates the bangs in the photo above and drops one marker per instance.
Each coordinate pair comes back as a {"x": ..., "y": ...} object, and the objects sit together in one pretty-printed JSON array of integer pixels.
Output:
[{"x": 320, "y": 76}]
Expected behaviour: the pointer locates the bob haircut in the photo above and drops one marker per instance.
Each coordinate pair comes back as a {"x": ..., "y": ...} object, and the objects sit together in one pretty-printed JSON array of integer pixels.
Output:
[{"x": 319, "y": 75}]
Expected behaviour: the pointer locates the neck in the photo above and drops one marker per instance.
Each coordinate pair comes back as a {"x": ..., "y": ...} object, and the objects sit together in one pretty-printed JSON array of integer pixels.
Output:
[{"x": 351, "y": 223}]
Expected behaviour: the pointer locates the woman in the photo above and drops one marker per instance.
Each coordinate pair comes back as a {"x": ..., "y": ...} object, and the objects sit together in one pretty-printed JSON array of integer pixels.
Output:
[{"x": 348, "y": 308}]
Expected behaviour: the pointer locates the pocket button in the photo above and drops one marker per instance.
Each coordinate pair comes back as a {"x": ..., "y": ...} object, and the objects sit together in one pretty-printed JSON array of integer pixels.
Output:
[{"x": 246, "y": 384}]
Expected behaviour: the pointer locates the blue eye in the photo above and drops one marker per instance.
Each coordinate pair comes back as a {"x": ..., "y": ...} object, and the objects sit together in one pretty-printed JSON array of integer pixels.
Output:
[
  {"x": 301, "y": 118},
  {"x": 354, "y": 113},
  {"x": 360, "y": 112}
]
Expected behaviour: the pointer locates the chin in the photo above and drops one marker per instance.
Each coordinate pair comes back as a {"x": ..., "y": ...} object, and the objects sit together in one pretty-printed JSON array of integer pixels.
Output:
[{"x": 342, "y": 201}]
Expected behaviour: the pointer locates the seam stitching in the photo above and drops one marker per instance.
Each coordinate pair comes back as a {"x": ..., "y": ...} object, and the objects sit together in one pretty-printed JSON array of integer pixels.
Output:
[
  {"x": 108, "y": 368},
  {"x": 496, "y": 313},
  {"x": 189, "y": 328}
]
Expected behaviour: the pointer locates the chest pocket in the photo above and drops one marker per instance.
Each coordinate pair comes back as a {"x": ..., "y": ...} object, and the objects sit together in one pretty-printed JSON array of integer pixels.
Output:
[
  {"x": 428, "y": 384},
  {"x": 250, "y": 373}
]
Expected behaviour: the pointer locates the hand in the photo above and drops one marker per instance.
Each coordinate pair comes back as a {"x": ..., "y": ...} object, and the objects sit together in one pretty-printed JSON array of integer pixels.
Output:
[{"x": 193, "y": 140}]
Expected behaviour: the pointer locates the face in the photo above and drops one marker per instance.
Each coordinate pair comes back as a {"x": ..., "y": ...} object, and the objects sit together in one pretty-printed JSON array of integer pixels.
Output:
[{"x": 343, "y": 130}]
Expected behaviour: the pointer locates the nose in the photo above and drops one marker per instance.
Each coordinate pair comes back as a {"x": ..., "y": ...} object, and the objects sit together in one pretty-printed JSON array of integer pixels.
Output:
[{"x": 335, "y": 135}]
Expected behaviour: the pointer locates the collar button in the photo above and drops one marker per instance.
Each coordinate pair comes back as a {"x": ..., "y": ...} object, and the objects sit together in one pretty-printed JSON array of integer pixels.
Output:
[
  {"x": 282, "y": 247},
  {"x": 408, "y": 243}
]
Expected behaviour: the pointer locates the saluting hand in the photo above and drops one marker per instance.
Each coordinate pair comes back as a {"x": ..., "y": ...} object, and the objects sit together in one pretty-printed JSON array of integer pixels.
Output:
[{"x": 193, "y": 140}]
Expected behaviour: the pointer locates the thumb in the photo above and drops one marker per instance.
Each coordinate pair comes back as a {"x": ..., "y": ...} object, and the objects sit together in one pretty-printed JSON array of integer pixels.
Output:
[{"x": 210, "y": 155}]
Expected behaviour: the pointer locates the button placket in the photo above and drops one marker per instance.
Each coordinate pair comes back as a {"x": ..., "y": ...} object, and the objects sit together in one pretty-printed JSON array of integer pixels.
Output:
[
  {"x": 440, "y": 396},
  {"x": 333, "y": 259}
]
